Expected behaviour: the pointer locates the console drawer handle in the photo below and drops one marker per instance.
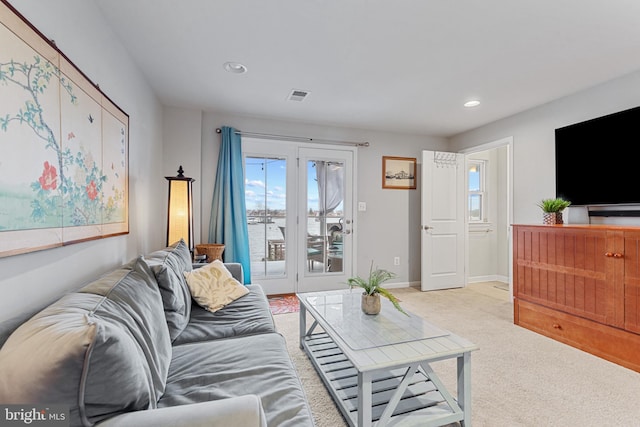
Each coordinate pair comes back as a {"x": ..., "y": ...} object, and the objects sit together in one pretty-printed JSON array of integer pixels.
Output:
[
  {"x": 613, "y": 255},
  {"x": 556, "y": 326}
]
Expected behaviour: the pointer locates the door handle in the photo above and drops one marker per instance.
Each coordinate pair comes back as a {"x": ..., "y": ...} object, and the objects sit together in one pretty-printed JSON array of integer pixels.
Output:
[{"x": 426, "y": 227}]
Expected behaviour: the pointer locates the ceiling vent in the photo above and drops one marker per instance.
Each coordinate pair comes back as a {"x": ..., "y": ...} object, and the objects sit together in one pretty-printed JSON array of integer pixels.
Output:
[{"x": 298, "y": 95}]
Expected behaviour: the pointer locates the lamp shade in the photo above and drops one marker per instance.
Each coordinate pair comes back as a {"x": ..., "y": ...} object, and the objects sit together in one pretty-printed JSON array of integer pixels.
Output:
[{"x": 180, "y": 209}]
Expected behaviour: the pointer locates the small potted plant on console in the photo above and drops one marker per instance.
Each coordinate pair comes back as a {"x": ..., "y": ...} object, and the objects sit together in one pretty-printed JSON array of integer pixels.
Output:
[{"x": 552, "y": 210}]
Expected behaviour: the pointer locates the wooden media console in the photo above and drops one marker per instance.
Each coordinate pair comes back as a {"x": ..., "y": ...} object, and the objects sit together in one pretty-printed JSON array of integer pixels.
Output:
[{"x": 580, "y": 284}]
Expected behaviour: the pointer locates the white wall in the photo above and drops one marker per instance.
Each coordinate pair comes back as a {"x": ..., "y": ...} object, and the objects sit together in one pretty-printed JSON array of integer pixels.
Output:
[
  {"x": 31, "y": 280},
  {"x": 534, "y": 138},
  {"x": 502, "y": 217},
  {"x": 182, "y": 130},
  {"x": 390, "y": 225}
]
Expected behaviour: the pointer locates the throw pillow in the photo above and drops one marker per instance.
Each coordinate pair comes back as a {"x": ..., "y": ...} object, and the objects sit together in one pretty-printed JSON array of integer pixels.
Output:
[
  {"x": 167, "y": 265},
  {"x": 213, "y": 286}
]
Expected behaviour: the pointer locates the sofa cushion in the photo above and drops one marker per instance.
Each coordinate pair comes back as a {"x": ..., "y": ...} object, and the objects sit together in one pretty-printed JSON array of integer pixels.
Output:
[
  {"x": 168, "y": 265},
  {"x": 103, "y": 351},
  {"x": 213, "y": 286},
  {"x": 245, "y": 316},
  {"x": 257, "y": 364}
]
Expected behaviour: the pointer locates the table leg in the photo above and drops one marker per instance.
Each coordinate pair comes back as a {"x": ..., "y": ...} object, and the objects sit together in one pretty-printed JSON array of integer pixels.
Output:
[
  {"x": 364, "y": 399},
  {"x": 303, "y": 324},
  {"x": 464, "y": 386}
]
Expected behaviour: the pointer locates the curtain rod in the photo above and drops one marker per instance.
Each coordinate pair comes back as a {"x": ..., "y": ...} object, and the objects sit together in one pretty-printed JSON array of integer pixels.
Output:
[{"x": 298, "y": 138}]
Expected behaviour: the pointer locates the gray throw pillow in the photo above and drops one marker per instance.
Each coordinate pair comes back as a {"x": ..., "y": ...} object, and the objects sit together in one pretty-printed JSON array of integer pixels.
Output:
[
  {"x": 102, "y": 351},
  {"x": 169, "y": 265}
]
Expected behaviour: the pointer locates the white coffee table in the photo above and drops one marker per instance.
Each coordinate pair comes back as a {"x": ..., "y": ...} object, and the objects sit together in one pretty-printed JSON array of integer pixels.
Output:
[{"x": 377, "y": 367}]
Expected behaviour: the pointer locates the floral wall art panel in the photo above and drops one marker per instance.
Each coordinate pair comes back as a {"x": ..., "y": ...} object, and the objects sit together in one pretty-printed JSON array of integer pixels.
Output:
[
  {"x": 115, "y": 189},
  {"x": 29, "y": 122},
  {"x": 56, "y": 186},
  {"x": 82, "y": 158}
]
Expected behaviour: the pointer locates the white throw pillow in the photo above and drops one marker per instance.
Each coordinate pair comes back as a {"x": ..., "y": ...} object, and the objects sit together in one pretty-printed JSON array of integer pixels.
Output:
[{"x": 213, "y": 286}]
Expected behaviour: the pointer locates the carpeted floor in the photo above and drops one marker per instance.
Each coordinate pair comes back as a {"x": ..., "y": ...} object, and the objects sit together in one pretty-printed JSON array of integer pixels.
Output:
[
  {"x": 519, "y": 378},
  {"x": 281, "y": 304}
]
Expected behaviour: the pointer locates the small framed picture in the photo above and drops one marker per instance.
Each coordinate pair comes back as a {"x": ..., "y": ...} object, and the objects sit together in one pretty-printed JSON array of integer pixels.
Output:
[{"x": 399, "y": 173}]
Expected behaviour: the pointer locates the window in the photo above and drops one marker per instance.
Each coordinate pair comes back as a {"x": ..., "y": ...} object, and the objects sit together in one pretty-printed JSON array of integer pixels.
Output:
[{"x": 476, "y": 189}]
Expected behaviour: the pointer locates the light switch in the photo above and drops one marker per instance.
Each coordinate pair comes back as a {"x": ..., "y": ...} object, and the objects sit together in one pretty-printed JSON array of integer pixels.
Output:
[{"x": 362, "y": 206}]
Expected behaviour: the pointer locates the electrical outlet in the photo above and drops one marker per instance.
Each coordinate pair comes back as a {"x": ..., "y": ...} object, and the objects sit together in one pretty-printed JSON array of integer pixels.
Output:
[
  {"x": 362, "y": 206},
  {"x": 396, "y": 260}
]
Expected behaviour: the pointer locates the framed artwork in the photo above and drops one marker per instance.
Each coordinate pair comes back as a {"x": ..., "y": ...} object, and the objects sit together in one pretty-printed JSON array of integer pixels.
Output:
[
  {"x": 63, "y": 147},
  {"x": 399, "y": 173}
]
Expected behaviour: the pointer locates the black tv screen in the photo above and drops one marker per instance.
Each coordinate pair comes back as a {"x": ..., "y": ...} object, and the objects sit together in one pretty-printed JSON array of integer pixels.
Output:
[{"x": 596, "y": 160}]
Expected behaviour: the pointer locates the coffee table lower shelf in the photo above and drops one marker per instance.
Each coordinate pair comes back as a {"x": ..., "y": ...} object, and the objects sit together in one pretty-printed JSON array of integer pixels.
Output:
[{"x": 425, "y": 401}]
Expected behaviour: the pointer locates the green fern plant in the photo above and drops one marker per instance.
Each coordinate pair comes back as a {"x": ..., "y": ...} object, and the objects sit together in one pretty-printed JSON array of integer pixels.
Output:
[
  {"x": 554, "y": 205},
  {"x": 372, "y": 286}
]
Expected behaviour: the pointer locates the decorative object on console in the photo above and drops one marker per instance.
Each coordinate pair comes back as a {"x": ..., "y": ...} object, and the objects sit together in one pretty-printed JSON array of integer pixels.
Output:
[
  {"x": 552, "y": 210},
  {"x": 212, "y": 251},
  {"x": 180, "y": 210},
  {"x": 373, "y": 290}
]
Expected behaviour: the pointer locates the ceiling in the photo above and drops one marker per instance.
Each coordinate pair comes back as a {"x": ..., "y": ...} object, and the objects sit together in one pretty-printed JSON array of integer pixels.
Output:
[{"x": 401, "y": 66}]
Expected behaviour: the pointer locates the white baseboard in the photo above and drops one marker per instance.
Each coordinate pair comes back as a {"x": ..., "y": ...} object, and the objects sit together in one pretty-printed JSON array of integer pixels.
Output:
[
  {"x": 490, "y": 278},
  {"x": 401, "y": 285},
  {"x": 476, "y": 279}
]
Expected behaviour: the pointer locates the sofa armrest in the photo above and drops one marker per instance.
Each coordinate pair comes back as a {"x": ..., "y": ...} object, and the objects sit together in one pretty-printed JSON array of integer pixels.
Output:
[
  {"x": 241, "y": 411},
  {"x": 235, "y": 268}
]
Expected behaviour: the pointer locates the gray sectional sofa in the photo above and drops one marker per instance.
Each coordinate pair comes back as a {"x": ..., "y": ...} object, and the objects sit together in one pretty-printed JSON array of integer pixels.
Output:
[{"x": 133, "y": 349}]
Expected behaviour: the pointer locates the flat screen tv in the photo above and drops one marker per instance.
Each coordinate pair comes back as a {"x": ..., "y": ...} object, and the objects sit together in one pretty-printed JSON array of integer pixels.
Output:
[{"x": 596, "y": 160}]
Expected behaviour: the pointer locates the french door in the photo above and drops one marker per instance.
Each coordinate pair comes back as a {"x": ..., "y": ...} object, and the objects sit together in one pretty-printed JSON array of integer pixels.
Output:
[
  {"x": 325, "y": 219},
  {"x": 300, "y": 215}
]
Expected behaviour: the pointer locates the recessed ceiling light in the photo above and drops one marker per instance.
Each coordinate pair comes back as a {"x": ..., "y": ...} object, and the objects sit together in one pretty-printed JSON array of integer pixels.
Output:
[
  {"x": 235, "y": 67},
  {"x": 472, "y": 103}
]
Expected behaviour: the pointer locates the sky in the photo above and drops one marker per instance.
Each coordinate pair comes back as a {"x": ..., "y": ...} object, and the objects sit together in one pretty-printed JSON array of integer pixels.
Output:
[{"x": 265, "y": 184}]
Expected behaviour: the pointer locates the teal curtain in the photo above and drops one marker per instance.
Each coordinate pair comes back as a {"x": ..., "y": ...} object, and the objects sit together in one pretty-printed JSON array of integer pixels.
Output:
[{"x": 228, "y": 223}]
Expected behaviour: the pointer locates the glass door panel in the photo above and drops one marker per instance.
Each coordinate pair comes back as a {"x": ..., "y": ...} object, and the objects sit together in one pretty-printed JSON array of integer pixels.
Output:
[
  {"x": 325, "y": 218},
  {"x": 266, "y": 201}
]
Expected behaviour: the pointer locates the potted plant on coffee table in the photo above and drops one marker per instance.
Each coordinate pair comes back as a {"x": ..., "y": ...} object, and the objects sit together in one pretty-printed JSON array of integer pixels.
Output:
[
  {"x": 372, "y": 290},
  {"x": 552, "y": 210}
]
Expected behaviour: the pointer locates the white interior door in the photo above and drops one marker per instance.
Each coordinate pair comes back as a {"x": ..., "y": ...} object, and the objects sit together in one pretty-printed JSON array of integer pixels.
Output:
[
  {"x": 325, "y": 229},
  {"x": 442, "y": 220}
]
